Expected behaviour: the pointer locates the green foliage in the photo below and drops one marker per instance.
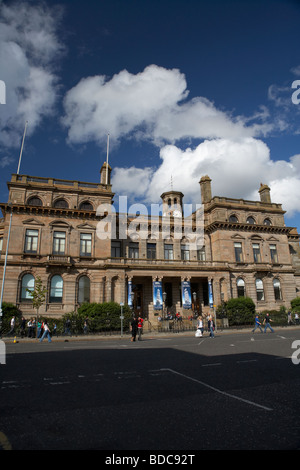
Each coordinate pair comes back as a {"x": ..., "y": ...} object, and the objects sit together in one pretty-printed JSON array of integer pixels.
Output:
[
  {"x": 239, "y": 311},
  {"x": 8, "y": 311},
  {"x": 100, "y": 317},
  {"x": 38, "y": 294},
  {"x": 295, "y": 303}
]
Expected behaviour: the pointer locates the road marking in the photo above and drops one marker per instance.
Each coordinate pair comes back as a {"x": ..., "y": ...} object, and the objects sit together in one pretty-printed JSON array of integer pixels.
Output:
[{"x": 219, "y": 391}]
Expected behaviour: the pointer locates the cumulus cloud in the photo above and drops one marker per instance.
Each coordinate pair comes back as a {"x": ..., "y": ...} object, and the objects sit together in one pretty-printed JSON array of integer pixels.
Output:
[
  {"x": 29, "y": 48},
  {"x": 236, "y": 167},
  {"x": 152, "y": 105}
]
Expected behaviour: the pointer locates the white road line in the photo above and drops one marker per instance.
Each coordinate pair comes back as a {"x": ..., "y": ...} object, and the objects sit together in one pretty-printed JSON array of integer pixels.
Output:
[{"x": 219, "y": 391}]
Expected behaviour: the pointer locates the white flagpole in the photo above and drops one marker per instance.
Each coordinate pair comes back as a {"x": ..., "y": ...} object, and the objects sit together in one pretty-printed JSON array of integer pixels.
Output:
[
  {"x": 9, "y": 229},
  {"x": 107, "y": 158}
]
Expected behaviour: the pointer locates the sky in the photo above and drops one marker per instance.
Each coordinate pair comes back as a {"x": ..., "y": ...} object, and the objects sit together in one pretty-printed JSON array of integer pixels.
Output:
[{"x": 183, "y": 88}]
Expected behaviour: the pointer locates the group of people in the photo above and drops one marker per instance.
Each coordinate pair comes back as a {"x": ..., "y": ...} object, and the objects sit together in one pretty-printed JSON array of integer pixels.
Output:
[
  {"x": 38, "y": 329},
  {"x": 266, "y": 322},
  {"x": 136, "y": 328},
  {"x": 210, "y": 326}
]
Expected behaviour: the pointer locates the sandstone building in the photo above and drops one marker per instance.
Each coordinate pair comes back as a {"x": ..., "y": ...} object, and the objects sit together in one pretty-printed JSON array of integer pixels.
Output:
[{"x": 247, "y": 250}]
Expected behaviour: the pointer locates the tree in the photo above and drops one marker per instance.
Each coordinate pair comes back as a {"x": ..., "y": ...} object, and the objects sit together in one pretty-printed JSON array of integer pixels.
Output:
[{"x": 38, "y": 295}]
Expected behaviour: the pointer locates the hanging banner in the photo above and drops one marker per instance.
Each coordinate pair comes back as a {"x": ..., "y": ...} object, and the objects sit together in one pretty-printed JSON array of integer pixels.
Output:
[
  {"x": 129, "y": 293},
  {"x": 186, "y": 294},
  {"x": 157, "y": 295},
  {"x": 210, "y": 295}
]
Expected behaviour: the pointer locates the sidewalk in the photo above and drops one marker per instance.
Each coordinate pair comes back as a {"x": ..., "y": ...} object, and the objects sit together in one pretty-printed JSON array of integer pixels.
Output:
[{"x": 149, "y": 335}]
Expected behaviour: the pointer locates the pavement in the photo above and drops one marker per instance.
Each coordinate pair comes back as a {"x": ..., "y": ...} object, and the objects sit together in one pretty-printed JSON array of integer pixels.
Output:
[{"x": 146, "y": 334}]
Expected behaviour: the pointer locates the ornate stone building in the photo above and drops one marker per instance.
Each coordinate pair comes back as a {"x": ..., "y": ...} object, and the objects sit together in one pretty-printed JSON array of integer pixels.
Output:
[{"x": 83, "y": 254}]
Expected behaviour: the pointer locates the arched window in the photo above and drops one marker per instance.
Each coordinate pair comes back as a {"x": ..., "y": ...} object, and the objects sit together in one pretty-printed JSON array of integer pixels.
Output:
[
  {"x": 56, "y": 289},
  {"x": 86, "y": 206},
  {"x": 259, "y": 289},
  {"x": 250, "y": 220},
  {"x": 61, "y": 204},
  {"x": 34, "y": 201},
  {"x": 233, "y": 218},
  {"x": 240, "y": 285},
  {"x": 27, "y": 282},
  {"x": 277, "y": 289},
  {"x": 83, "y": 289},
  {"x": 267, "y": 222}
]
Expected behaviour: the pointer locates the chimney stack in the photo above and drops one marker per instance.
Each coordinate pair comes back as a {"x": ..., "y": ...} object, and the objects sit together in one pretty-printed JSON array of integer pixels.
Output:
[{"x": 205, "y": 187}]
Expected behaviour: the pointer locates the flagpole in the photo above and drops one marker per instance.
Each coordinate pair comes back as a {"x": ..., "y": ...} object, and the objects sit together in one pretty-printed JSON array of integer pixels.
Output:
[
  {"x": 107, "y": 158},
  {"x": 9, "y": 229}
]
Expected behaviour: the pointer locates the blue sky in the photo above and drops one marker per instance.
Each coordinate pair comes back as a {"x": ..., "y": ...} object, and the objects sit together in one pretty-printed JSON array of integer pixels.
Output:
[{"x": 184, "y": 89}]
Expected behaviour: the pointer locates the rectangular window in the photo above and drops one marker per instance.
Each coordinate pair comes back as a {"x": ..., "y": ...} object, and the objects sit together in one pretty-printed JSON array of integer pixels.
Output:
[
  {"x": 85, "y": 244},
  {"x": 185, "y": 253},
  {"x": 201, "y": 254},
  {"x": 256, "y": 253},
  {"x": 151, "y": 250},
  {"x": 1, "y": 243},
  {"x": 238, "y": 252},
  {"x": 273, "y": 252},
  {"x": 31, "y": 241},
  {"x": 133, "y": 250},
  {"x": 59, "y": 243},
  {"x": 168, "y": 251},
  {"x": 116, "y": 249}
]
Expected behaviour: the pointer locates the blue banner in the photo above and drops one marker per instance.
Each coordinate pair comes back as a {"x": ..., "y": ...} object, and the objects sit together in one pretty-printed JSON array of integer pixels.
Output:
[
  {"x": 186, "y": 295},
  {"x": 157, "y": 295},
  {"x": 129, "y": 293},
  {"x": 210, "y": 295}
]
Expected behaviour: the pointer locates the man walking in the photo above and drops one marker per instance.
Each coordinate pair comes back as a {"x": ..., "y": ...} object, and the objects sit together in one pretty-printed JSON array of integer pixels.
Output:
[
  {"x": 267, "y": 323},
  {"x": 257, "y": 324}
]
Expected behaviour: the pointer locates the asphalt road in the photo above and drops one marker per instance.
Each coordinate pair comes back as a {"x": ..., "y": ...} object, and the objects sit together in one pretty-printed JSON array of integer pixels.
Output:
[{"x": 175, "y": 393}]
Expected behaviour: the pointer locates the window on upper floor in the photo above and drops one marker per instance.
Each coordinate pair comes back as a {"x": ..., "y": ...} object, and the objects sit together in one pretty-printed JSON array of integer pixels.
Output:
[
  {"x": 250, "y": 220},
  {"x": 116, "y": 249},
  {"x": 238, "y": 252},
  {"x": 168, "y": 251},
  {"x": 133, "y": 250},
  {"x": 34, "y": 201},
  {"x": 61, "y": 204},
  {"x": 233, "y": 218},
  {"x": 31, "y": 241},
  {"x": 273, "y": 253},
  {"x": 86, "y": 206},
  {"x": 151, "y": 250},
  {"x": 85, "y": 244},
  {"x": 267, "y": 221},
  {"x": 201, "y": 254},
  {"x": 185, "y": 252},
  {"x": 1, "y": 243},
  {"x": 59, "y": 243},
  {"x": 256, "y": 252}
]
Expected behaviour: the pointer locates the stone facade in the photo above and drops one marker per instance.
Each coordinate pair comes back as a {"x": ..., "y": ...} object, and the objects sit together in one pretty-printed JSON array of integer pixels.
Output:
[{"x": 59, "y": 234}]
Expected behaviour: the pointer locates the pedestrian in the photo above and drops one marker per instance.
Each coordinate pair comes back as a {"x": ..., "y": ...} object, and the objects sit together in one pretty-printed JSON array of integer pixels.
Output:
[
  {"x": 133, "y": 329},
  {"x": 211, "y": 326},
  {"x": 140, "y": 328},
  {"x": 23, "y": 326},
  {"x": 68, "y": 327},
  {"x": 85, "y": 326},
  {"x": 12, "y": 326},
  {"x": 267, "y": 321},
  {"x": 39, "y": 329},
  {"x": 290, "y": 321},
  {"x": 199, "y": 326},
  {"x": 257, "y": 324},
  {"x": 46, "y": 333},
  {"x": 29, "y": 327},
  {"x": 297, "y": 318},
  {"x": 55, "y": 329}
]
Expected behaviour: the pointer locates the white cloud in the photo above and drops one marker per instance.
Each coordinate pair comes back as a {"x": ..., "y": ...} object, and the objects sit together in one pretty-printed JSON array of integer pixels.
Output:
[
  {"x": 150, "y": 105},
  {"x": 236, "y": 167},
  {"x": 29, "y": 48}
]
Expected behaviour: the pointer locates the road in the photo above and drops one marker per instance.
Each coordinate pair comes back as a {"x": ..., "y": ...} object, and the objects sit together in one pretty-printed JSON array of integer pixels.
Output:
[{"x": 238, "y": 391}]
